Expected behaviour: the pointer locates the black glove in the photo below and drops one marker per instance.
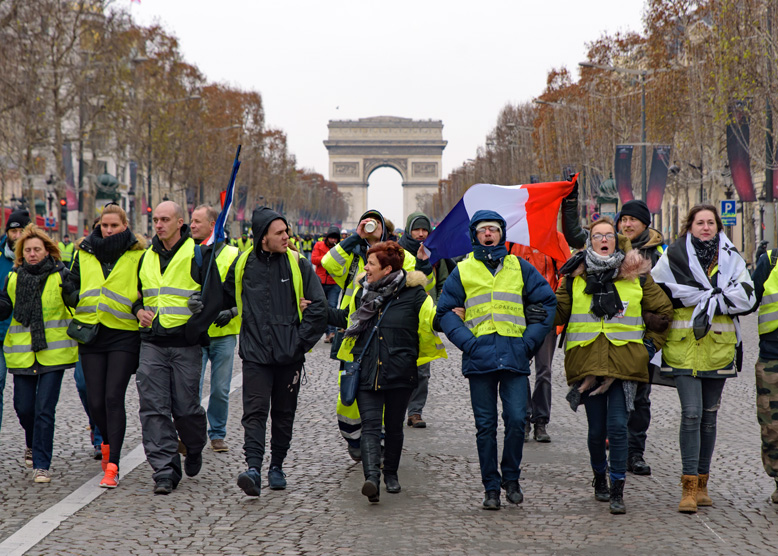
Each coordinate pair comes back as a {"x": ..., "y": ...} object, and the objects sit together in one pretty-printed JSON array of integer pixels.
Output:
[
  {"x": 224, "y": 317},
  {"x": 650, "y": 348},
  {"x": 535, "y": 313},
  {"x": 573, "y": 195},
  {"x": 195, "y": 303}
]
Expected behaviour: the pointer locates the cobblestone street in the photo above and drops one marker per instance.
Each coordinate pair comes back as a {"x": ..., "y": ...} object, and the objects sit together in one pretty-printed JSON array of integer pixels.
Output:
[{"x": 437, "y": 512}]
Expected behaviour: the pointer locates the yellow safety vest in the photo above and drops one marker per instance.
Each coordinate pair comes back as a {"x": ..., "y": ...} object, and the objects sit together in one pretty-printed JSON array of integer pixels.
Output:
[
  {"x": 108, "y": 300},
  {"x": 61, "y": 350},
  {"x": 66, "y": 252},
  {"x": 493, "y": 303},
  {"x": 166, "y": 295},
  {"x": 584, "y": 327},
  {"x": 409, "y": 265},
  {"x": 297, "y": 279},
  {"x": 223, "y": 261},
  {"x": 713, "y": 352},
  {"x": 243, "y": 245},
  {"x": 768, "y": 308}
]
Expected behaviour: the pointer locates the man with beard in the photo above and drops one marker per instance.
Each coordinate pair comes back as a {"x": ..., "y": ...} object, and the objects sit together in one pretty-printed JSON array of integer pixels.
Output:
[{"x": 13, "y": 229}]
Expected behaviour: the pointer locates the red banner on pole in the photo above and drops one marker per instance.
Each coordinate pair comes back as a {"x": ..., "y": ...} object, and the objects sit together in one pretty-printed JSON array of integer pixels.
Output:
[
  {"x": 657, "y": 180},
  {"x": 738, "y": 138},
  {"x": 622, "y": 172}
]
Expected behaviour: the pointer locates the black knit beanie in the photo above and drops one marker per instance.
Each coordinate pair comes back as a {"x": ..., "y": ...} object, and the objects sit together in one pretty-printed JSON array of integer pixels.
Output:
[{"x": 636, "y": 209}]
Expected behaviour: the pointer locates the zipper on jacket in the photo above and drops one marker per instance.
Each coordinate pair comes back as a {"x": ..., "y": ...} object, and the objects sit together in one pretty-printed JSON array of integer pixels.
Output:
[{"x": 378, "y": 364}]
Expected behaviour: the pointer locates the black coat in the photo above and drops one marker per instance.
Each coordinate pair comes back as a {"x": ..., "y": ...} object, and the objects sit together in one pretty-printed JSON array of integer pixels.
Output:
[{"x": 390, "y": 359}]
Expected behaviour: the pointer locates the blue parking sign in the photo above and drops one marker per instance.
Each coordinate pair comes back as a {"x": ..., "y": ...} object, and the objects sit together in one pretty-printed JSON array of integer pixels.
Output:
[{"x": 729, "y": 212}]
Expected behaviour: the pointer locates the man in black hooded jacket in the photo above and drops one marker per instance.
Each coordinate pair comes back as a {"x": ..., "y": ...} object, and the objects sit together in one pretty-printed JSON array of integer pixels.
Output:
[{"x": 271, "y": 284}]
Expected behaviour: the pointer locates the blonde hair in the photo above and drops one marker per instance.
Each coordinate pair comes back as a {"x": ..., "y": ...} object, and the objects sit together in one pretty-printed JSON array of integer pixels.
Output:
[
  {"x": 113, "y": 208},
  {"x": 31, "y": 231}
]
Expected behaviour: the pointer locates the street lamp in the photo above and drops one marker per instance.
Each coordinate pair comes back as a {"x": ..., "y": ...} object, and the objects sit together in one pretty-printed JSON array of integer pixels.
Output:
[{"x": 642, "y": 75}]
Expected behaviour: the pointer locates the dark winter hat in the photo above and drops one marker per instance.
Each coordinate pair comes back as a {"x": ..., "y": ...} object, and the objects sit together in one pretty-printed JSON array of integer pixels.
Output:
[
  {"x": 17, "y": 219},
  {"x": 334, "y": 231},
  {"x": 636, "y": 209}
]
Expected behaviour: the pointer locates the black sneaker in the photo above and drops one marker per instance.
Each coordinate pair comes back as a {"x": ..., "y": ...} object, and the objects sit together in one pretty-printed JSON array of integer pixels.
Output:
[
  {"x": 540, "y": 433},
  {"x": 637, "y": 465},
  {"x": 276, "y": 478},
  {"x": 250, "y": 481},
  {"x": 163, "y": 486},
  {"x": 491, "y": 500},
  {"x": 513, "y": 492},
  {"x": 193, "y": 463}
]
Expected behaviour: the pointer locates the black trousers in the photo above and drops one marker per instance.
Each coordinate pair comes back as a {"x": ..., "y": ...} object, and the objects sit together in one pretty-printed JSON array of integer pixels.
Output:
[
  {"x": 273, "y": 390},
  {"x": 639, "y": 420},
  {"x": 388, "y": 406}
]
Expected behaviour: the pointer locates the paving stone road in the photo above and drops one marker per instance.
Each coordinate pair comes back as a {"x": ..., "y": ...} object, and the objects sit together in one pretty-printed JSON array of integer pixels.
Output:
[{"x": 438, "y": 511}]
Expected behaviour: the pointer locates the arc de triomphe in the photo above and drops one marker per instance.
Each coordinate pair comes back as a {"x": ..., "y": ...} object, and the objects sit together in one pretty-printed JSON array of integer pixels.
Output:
[{"x": 359, "y": 147}]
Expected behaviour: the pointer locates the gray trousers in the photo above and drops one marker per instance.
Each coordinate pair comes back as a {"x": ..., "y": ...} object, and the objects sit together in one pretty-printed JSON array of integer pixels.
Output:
[
  {"x": 419, "y": 395},
  {"x": 168, "y": 381},
  {"x": 540, "y": 403}
]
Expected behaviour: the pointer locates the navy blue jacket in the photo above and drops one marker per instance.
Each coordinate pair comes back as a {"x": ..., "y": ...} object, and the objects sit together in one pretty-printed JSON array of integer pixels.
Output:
[{"x": 493, "y": 352}]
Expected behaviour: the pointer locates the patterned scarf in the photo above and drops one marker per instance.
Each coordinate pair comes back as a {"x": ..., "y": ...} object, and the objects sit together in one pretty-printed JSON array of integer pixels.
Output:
[
  {"x": 28, "y": 309},
  {"x": 600, "y": 273},
  {"x": 374, "y": 295}
]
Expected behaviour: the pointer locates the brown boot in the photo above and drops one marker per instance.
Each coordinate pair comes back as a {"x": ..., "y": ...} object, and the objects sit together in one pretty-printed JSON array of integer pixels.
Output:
[
  {"x": 702, "y": 490},
  {"x": 688, "y": 503}
]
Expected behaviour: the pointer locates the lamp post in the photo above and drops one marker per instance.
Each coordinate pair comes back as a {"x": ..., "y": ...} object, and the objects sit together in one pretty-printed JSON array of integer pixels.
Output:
[{"x": 642, "y": 77}]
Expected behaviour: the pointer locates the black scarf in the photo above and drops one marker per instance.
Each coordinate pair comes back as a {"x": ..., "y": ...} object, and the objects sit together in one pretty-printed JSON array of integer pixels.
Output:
[
  {"x": 600, "y": 273},
  {"x": 109, "y": 249},
  {"x": 706, "y": 250},
  {"x": 409, "y": 244},
  {"x": 641, "y": 240},
  {"x": 28, "y": 308},
  {"x": 374, "y": 296}
]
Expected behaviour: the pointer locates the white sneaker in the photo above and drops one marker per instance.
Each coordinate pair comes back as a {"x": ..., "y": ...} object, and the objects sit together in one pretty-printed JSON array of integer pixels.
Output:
[
  {"x": 28, "y": 457},
  {"x": 41, "y": 476}
]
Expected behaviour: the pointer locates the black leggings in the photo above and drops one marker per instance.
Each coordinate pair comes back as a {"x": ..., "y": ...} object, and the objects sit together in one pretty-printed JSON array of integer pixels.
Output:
[{"x": 107, "y": 375}]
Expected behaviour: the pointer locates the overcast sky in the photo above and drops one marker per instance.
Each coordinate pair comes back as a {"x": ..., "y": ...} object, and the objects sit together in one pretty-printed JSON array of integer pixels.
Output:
[{"x": 315, "y": 61}]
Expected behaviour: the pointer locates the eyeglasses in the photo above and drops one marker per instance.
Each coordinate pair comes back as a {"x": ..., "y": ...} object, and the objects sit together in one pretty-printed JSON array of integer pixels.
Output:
[
  {"x": 599, "y": 237},
  {"x": 493, "y": 229}
]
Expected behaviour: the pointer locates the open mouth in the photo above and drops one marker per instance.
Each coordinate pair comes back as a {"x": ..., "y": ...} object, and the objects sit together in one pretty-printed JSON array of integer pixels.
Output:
[
  {"x": 488, "y": 242},
  {"x": 604, "y": 249}
]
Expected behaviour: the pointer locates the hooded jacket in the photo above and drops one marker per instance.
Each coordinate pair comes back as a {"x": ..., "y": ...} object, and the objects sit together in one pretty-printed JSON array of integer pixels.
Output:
[
  {"x": 493, "y": 352},
  {"x": 271, "y": 332},
  {"x": 601, "y": 357},
  {"x": 411, "y": 246}
]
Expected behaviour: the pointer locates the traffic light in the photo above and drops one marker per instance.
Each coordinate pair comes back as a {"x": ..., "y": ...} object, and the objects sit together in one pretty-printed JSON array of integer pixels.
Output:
[
  {"x": 148, "y": 210},
  {"x": 63, "y": 214}
]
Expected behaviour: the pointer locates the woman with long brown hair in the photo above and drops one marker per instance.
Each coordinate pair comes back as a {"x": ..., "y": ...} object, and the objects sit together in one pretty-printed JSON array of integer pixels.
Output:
[
  {"x": 104, "y": 279},
  {"x": 37, "y": 348}
]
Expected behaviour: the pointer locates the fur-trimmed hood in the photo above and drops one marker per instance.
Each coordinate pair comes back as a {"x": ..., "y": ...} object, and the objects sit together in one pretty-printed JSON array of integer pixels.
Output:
[{"x": 634, "y": 264}]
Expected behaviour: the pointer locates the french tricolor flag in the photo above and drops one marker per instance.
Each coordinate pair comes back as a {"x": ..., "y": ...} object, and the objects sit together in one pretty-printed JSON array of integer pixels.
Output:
[
  {"x": 227, "y": 197},
  {"x": 530, "y": 212}
]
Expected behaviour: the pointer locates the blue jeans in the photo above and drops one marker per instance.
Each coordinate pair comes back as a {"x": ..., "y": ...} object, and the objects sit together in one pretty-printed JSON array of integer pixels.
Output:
[
  {"x": 607, "y": 416},
  {"x": 78, "y": 376},
  {"x": 221, "y": 352},
  {"x": 35, "y": 402},
  {"x": 700, "y": 399},
  {"x": 513, "y": 389},
  {"x": 331, "y": 292}
]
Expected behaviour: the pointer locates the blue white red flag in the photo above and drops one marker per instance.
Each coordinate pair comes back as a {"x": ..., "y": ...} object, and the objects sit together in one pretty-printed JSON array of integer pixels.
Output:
[
  {"x": 530, "y": 213},
  {"x": 218, "y": 230}
]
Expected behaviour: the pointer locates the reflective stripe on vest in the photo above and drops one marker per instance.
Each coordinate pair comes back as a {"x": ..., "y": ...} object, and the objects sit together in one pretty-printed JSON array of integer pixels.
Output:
[
  {"x": 584, "y": 327},
  {"x": 224, "y": 260},
  {"x": 60, "y": 350},
  {"x": 768, "y": 308},
  {"x": 108, "y": 300},
  {"x": 493, "y": 303},
  {"x": 167, "y": 294},
  {"x": 66, "y": 252},
  {"x": 297, "y": 279}
]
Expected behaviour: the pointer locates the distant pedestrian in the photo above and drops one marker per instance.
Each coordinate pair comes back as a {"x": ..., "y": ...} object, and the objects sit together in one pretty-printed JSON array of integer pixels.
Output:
[
  {"x": 709, "y": 285},
  {"x": 498, "y": 337},
  {"x": 603, "y": 299},
  {"x": 328, "y": 283}
]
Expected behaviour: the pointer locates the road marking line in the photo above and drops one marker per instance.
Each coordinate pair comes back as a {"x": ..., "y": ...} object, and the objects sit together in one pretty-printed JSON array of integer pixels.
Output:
[{"x": 40, "y": 526}]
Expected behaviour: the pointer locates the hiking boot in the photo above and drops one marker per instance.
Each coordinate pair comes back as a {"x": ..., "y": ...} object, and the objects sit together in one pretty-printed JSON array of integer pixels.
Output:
[
  {"x": 513, "y": 492},
  {"x": 219, "y": 445},
  {"x": 688, "y": 504},
  {"x": 392, "y": 483},
  {"x": 250, "y": 481},
  {"x": 163, "y": 486},
  {"x": 41, "y": 476},
  {"x": 276, "y": 478},
  {"x": 416, "y": 421},
  {"x": 703, "y": 499},
  {"x": 28, "y": 457},
  {"x": 491, "y": 500},
  {"x": 540, "y": 433},
  {"x": 372, "y": 490},
  {"x": 193, "y": 463},
  {"x": 617, "y": 497},
  {"x": 111, "y": 477},
  {"x": 637, "y": 466},
  {"x": 355, "y": 453},
  {"x": 601, "y": 491},
  {"x": 527, "y": 431}
]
